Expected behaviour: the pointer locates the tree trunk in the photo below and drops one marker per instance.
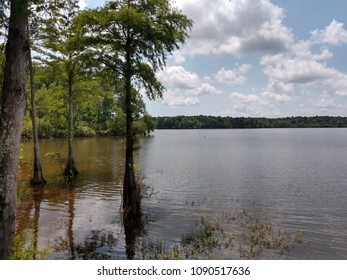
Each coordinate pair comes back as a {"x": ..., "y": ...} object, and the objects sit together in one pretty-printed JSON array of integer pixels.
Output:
[
  {"x": 37, "y": 176},
  {"x": 71, "y": 169},
  {"x": 131, "y": 199},
  {"x": 12, "y": 112}
]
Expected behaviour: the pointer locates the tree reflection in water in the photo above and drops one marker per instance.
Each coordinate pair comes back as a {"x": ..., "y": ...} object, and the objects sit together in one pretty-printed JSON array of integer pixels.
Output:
[
  {"x": 37, "y": 197},
  {"x": 26, "y": 242},
  {"x": 133, "y": 228},
  {"x": 61, "y": 217},
  {"x": 101, "y": 243}
]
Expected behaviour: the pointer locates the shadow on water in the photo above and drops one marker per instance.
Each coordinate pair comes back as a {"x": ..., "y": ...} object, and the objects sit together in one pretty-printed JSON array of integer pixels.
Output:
[
  {"x": 98, "y": 243},
  {"x": 103, "y": 245},
  {"x": 133, "y": 228},
  {"x": 80, "y": 218}
]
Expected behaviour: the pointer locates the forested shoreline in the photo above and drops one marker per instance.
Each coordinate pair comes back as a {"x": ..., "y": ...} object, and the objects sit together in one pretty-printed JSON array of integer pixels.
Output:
[
  {"x": 105, "y": 119},
  {"x": 217, "y": 122}
]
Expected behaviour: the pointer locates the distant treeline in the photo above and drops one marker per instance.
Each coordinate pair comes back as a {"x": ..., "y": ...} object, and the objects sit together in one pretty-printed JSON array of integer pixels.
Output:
[{"x": 209, "y": 122}]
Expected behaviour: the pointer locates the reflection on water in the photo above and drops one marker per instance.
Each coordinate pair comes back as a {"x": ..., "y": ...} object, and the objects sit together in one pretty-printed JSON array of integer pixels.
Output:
[
  {"x": 296, "y": 178},
  {"x": 79, "y": 218}
]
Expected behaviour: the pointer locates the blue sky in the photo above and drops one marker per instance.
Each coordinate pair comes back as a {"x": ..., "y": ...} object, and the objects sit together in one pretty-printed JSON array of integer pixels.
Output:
[{"x": 257, "y": 58}]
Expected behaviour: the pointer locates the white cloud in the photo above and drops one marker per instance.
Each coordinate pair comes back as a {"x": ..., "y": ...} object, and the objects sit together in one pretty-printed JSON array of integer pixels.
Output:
[
  {"x": 236, "y": 27},
  {"x": 82, "y": 4},
  {"x": 325, "y": 102},
  {"x": 178, "y": 57},
  {"x": 246, "y": 105},
  {"x": 302, "y": 74},
  {"x": 264, "y": 98},
  {"x": 173, "y": 100},
  {"x": 276, "y": 86},
  {"x": 244, "y": 98},
  {"x": 281, "y": 98},
  {"x": 183, "y": 87},
  {"x": 290, "y": 72},
  {"x": 204, "y": 88},
  {"x": 296, "y": 70},
  {"x": 233, "y": 76},
  {"x": 178, "y": 77},
  {"x": 333, "y": 34},
  {"x": 303, "y": 50}
]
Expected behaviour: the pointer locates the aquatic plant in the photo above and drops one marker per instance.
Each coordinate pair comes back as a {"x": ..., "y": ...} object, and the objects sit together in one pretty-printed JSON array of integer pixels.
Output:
[
  {"x": 198, "y": 244},
  {"x": 25, "y": 248},
  {"x": 248, "y": 228},
  {"x": 260, "y": 235},
  {"x": 209, "y": 236},
  {"x": 158, "y": 250}
]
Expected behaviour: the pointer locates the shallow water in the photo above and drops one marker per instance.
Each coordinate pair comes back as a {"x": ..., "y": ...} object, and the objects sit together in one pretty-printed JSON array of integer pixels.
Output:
[{"x": 295, "y": 178}]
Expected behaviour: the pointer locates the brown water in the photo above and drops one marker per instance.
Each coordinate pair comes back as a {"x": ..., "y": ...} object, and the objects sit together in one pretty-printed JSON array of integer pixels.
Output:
[
  {"x": 296, "y": 178},
  {"x": 63, "y": 215}
]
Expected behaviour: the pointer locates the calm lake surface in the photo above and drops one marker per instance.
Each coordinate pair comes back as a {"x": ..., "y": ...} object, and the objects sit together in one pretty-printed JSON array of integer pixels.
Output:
[{"x": 294, "y": 178}]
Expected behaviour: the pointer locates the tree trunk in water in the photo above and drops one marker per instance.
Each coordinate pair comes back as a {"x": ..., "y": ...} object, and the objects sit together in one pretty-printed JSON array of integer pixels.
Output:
[
  {"x": 71, "y": 169},
  {"x": 131, "y": 199},
  {"x": 38, "y": 176},
  {"x": 12, "y": 112}
]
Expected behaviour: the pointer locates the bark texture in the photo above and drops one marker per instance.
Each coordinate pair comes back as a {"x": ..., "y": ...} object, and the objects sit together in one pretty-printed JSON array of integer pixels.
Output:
[
  {"x": 38, "y": 178},
  {"x": 131, "y": 199},
  {"x": 12, "y": 112},
  {"x": 71, "y": 169}
]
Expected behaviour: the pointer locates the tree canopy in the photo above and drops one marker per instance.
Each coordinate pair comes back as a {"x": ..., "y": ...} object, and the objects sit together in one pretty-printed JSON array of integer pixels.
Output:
[{"x": 132, "y": 39}]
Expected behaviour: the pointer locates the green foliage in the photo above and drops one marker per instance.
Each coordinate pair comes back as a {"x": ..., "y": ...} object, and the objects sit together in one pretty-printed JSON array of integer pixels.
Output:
[
  {"x": 253, "y": 235},
  {"x": 131, "y": 40},
  {"x": 209, "y": 236},
  {"x": 207, "y": 122},
  {"x": 84, "y": 52},
  {"x": 159, "y": 250},
  {"x": 98, "y": 109},
  {"x": 22, "y": 251},
  {"x": 259, "y": 236}
]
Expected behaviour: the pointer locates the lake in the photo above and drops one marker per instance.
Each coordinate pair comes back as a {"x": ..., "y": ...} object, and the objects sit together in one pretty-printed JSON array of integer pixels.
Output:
[{"x": 290, "y": 180}]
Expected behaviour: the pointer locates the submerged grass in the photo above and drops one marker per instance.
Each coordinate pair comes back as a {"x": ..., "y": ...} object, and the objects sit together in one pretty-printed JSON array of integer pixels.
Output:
[
  {"x": 209, "y": 236},
  {"x": 25, "y": 248},
  {"x": 249, "y": 230},
  {"x": 195, "y": 245},
  {"x": 261, "y": 237}
]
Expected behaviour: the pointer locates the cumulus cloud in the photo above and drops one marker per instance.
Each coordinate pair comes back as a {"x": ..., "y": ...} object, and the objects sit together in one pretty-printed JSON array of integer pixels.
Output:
[
  {"x": 333, "y": 34},
  {"x": 296, "y": 71},
  {"x": 183, "y": 87},
  {"x": 303, "y": 70},
  {"x": 251, "y": 105},
  {"x": 264, "y": 98},
  {"x": 174, "y": 99},
  {"x": 178, "y": 77},
  {"x": 244, "y": 98},
  {"x": 236, "y": 27},
  {"x": 288, "y": 69},
  {"x": 233, "y": 76},
  {"x": 281, "y": 98},
  {"x": 304, "y": 74},
  {"x": 291, "y": 71}
]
